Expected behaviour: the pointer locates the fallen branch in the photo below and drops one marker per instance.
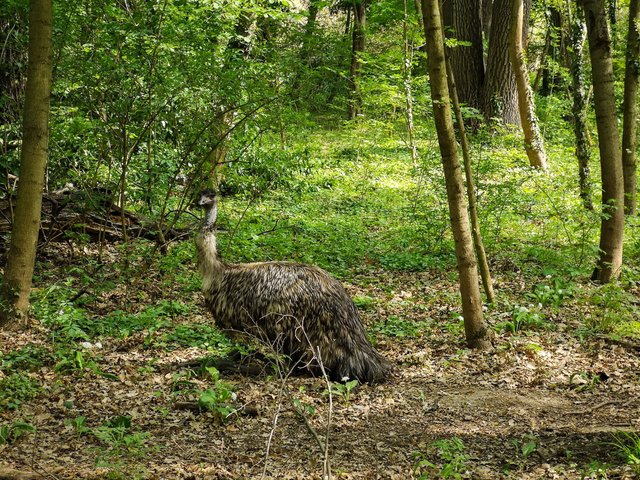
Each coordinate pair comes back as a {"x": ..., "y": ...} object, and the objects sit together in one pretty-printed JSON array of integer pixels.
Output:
[{"x": 86, "y": 212}]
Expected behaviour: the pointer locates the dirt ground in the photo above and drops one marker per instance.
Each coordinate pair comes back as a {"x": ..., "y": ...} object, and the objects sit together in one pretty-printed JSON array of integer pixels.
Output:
[{"x": 564, "y": 396}]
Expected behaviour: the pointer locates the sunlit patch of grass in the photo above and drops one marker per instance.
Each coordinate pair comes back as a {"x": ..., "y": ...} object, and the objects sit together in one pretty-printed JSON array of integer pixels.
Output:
[{"x": 628, "y": 329}]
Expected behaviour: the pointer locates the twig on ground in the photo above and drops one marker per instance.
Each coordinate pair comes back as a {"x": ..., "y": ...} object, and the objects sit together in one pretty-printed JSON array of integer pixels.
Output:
[
  {"x": 283, "y": 386},
  {"x": 592, "y": 409},
  {"x": 326, "y": 467}
]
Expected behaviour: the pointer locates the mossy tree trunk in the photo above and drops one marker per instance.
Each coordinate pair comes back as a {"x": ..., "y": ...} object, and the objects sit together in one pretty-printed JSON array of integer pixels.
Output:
[
  {"x": 579, "y": 107},
  {"x": 35, "y": 140},
  {"x": 630, "y": 110},
  {"x": 533, "y": 143},
  {"x": 476, "y": 331},
  {"x": 612, "y": 224}
]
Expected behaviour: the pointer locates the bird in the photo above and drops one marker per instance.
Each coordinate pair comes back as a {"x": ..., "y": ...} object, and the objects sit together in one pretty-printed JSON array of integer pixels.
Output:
[{"x": 299, "y": 309}]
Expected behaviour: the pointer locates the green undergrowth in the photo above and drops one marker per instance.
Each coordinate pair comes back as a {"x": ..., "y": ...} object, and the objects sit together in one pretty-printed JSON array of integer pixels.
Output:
[{"x": 350, "y": 199}]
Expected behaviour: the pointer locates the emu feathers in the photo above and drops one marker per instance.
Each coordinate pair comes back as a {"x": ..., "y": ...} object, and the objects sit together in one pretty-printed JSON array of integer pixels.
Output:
[{"x": 299, "y": 309}]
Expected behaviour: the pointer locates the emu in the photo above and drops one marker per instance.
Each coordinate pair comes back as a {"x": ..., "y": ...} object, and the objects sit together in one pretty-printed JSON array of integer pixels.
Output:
[{"x": 299, "y": 309}]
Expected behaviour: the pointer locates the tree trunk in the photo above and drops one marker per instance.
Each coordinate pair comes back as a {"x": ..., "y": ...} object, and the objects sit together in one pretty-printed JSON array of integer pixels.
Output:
[
  {"x": 483, "y": 264},
  {"x": 550, "y": 77},
  {"x": 500, "y": 100},
  {"x": 22, "y": 252},
  {"x": 533, "y": 143},
  {"x": 476, "y": 331},
  {"x": 612, "y": 226},
  {"x": 630, "y": 115},
  {"x": 542, "y": 66},
  {"x": 305, "y": 50},
  {"x": 579, "y": 108},
  {"x": 406, "y": 80},
  {"x": 487, "y": 6},
  {"x": 354, "y": 106},
  {"x": 418, "y": 6},
  {"x": 217, "y": 156},
  {"x": 308, "y": 31},
  {"x": 467, "y": 61}
]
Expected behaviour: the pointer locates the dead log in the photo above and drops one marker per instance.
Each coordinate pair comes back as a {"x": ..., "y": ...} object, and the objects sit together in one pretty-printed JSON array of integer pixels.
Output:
[{"x": 89, "y": 212}]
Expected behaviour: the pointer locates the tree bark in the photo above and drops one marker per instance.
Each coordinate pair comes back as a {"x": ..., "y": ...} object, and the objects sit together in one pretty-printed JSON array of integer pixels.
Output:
[
  {"x": 481, "y": 255},
  {"x": 354, "y": 106},
  {"x": 533, "y": 143},
  {"x": 22, "y": 252},
  {"x": 407, "y": 61},
  {"x": 579, "y": 108},
  {"x": 630, "y": 108},
  {"x": 309, "y": 28},
  {"x": 476, "y": 331},
  {"x": 305, "y": 50},
  {"x": 612, "y": 225},
  {"x": 487, "y": 7},
  {"x": 550, "y": 77},
  {"x": 467, "y": 61},
  {"x": 500, "y": 100}
]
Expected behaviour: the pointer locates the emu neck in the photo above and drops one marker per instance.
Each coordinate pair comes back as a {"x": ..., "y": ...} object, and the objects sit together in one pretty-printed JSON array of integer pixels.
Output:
[
  {"x": 210, "y": 217},
  {"x": 209, "y": 263}
]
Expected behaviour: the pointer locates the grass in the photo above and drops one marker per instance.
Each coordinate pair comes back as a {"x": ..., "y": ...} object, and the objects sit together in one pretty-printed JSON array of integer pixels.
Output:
[{"x": 349, "y": 200}]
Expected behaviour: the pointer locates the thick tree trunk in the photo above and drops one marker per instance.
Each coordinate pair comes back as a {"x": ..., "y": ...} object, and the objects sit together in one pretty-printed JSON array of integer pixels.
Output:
[
  {"x": 630, "y": 115},
  {"x": 500, "y": 100},
  {"x": 533, "y": 143},
  {"x": 612, "y": 226},
  {"x": 354, "y": 106},
  {"x": 579, "y": 108},
  {"x": 476, "y": 330},
  {"x": 463, "y": 17},
  {"x": 35, "y": 140}
]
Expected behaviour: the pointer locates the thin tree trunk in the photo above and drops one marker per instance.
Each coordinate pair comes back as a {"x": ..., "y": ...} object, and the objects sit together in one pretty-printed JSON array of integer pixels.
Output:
[
  {"x": 418, "y": 6},
  {"x": 305, "y": 50},
  {"x": 217, "y": 156},
  {"x": 24, "y": 237},
  {"x": 487, "y": 7},
  {"x": 542, "y": 65},
  {"x": 406, "y": 78},
  {"x": 347, "y": 23},
  {"x": 630, "y": 115},
  {"x": 612, "y": 225},
  {"x": 476, "y": 331},
  {"x": 550, "y": 77},
  {"x": 354, "y": 106},
  {"x": 579, "y": 108},
  {"x": 483, "y": 264},
  {"x": 533, "y": 143}
]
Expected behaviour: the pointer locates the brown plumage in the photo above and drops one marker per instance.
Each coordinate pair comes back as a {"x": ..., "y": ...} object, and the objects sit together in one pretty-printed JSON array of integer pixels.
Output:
[{"x": 300, "y": 309}]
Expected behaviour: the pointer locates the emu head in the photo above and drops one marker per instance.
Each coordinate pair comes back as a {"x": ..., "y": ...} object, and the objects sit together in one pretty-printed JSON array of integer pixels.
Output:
[{"x": 209, "y": 201}]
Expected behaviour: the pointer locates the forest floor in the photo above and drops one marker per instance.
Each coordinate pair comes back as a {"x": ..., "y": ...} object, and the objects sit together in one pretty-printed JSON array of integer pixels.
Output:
[{"x": 547, "y": 402}]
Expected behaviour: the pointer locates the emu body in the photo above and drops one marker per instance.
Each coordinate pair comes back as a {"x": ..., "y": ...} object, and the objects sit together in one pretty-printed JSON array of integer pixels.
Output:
[{"x": 299, "y": 309}]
